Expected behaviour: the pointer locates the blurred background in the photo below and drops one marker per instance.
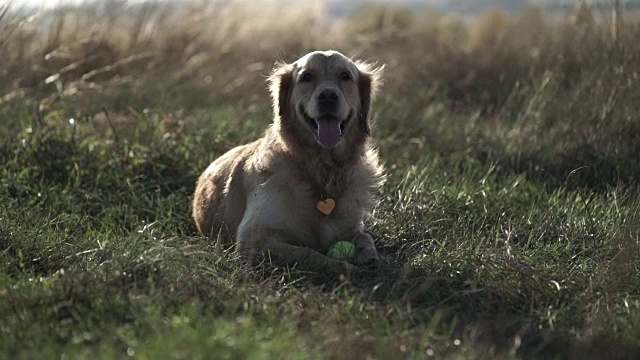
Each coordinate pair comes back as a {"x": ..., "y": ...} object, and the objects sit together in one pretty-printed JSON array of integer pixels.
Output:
[{"x": 529, "y": 84}]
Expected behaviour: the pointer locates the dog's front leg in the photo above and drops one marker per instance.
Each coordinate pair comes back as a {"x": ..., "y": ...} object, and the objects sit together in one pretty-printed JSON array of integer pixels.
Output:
[
  {"x": 366, "y": 252},
  {"x": 304, "y": 258}
]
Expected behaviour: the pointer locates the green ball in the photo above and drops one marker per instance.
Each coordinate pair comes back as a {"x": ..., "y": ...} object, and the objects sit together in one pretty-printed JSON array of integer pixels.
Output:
[{"x": 342, "y": 250}]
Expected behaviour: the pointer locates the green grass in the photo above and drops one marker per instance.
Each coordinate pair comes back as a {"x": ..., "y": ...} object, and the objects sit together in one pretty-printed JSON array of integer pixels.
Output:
[
  {"x": 509, "y": 220},
  {"x": 99, "y": 256}
]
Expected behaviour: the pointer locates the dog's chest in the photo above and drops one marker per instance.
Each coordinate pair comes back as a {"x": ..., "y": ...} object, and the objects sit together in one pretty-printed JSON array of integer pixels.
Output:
[
  {"x": 344, "y": 221},
  {"x": 292, "y": 207}
]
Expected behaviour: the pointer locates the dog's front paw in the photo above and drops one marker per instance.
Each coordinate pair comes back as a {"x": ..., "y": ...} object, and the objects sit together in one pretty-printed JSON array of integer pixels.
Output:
[
  {"x": 366, "y": 253},
  {"x": 368, "y": 258}
]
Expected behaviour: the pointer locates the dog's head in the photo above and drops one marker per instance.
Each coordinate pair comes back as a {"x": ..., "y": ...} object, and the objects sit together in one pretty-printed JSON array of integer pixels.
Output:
[{"x": 323, "y": 98}]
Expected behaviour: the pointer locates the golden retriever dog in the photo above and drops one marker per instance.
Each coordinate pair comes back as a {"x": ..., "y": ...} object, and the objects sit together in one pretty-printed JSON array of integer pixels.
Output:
[{"x": 309, "y": 181}]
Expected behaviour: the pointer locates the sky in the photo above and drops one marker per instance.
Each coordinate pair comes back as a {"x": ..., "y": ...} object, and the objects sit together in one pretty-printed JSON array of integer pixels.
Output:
[
  {"x": 44, "y": 3},
  {"x": 40, "y": 3},
  {"x": 435, "y": 3},
  {"x": 53, "y": 3}
]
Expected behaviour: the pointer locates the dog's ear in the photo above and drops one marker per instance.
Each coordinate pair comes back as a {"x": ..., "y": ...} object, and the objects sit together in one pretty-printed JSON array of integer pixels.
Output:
[
  {"x": 280, "y": 82},
  {"x": 369, "y": 82}
]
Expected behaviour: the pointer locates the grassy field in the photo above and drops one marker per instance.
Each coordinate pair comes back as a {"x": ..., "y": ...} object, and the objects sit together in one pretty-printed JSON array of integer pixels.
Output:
[{"x": 510, "y": 219}]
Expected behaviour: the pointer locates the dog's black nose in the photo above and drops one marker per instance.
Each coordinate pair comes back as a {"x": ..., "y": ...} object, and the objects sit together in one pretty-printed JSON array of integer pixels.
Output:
[{"x": 328, "y": 101}]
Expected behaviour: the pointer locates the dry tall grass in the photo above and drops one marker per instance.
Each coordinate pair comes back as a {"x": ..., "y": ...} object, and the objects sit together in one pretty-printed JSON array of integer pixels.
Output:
[{"x": 539, "y": 92}]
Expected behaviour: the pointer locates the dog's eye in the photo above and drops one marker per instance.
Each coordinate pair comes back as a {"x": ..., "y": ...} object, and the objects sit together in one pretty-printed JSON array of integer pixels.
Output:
[
  {"x": 306, "y": 77},
  {"x": 345, "y": 75}
]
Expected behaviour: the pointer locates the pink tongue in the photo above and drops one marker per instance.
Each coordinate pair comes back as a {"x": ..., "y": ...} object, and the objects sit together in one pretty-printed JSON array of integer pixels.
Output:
[{"x": 329, "y": 132}]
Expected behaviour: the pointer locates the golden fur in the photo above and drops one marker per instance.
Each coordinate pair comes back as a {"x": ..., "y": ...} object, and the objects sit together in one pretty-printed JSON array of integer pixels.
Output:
[{"x": 264, "y": 194}]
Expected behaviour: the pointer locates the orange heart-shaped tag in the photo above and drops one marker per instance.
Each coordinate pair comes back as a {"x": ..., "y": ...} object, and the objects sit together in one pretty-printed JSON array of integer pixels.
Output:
[{"x": 326, "y": 206}]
